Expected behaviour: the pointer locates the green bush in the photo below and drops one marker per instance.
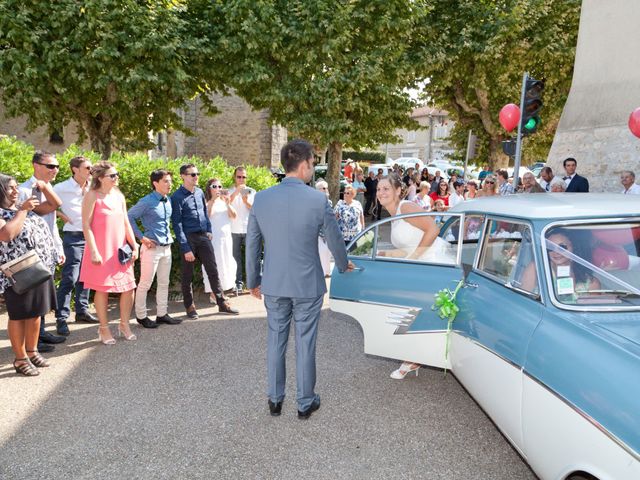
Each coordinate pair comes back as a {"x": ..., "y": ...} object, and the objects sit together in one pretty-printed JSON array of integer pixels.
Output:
[{"x": 134, "y": 169}]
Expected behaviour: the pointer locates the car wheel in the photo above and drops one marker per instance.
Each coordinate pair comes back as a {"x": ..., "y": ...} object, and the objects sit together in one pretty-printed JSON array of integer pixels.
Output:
[{"x": 581, "y": 476}]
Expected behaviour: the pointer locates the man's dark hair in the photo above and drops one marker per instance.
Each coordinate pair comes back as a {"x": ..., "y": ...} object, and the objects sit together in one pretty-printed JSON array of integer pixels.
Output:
[
  {"x": 40, "y": 155},
  {"x": 547, "y": 170},
  {"x": 75, "y": 162},
  {"x": 185, "y": 167},
  {"x": 504, "y": 174},
  {"x": 570, "y": 159},
  {"x": 237, "y": 169},
  {"x": 158, "y": 175},
  {"x": 294, "y": 153}
]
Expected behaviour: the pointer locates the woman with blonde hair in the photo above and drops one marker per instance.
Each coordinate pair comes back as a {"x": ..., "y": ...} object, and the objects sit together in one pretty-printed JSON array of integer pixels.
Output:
[
  {"x": 489, "y": 187},
  {"x": 349, "y": 214},
  {"x": 110, "y": 240}
]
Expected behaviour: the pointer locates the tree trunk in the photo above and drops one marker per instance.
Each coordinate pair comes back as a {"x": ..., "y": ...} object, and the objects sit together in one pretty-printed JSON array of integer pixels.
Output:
[
  {"x": 99, "y": 135},
  {"x": 497, "y": 159},
  {"x": 333, "y": 171}
]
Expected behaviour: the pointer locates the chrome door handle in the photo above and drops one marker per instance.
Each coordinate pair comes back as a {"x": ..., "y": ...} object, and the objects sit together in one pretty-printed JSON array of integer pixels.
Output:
[{"x": 470, "y": 285}]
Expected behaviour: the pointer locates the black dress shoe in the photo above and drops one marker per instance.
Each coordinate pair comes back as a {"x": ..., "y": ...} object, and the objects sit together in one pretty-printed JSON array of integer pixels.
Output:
[
  {"x": 192, "y": 313},
  {"x": 62, "y": 328},
  {"x": 224, "y": 307},
  {"x": 45, "y": 347},
  {"x": 146, "y": 322},
  {"x": 169, "y": 320},
  {"x": 86, "y": 317},
  {"x": 47, "y": 337},
  {"x": 303, "y": 415},
  {"x": 275, "y": 408}
]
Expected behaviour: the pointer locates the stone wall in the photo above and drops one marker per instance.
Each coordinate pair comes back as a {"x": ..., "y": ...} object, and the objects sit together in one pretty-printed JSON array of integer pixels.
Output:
[{"x": 604, "y": 91}]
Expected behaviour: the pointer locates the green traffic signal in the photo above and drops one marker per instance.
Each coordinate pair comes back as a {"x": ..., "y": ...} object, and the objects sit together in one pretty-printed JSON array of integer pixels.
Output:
[
  {"x": 532, "y": 124},
  {"x": 532, "y": 105}
]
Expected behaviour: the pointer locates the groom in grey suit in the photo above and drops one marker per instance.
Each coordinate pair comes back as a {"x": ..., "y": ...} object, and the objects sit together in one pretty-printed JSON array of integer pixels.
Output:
[{"x": 287, "y": 218}]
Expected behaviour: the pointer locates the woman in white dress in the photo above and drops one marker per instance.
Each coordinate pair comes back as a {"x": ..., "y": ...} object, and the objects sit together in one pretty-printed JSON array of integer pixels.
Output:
[
  {"x": 323, "y": 249},
  {"x": 220, "y": 214},
  {"x": 413, "y": 238}
]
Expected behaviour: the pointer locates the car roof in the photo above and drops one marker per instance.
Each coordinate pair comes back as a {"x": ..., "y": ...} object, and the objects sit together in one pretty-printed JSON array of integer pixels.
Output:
[{"x": 555, "y": 205}]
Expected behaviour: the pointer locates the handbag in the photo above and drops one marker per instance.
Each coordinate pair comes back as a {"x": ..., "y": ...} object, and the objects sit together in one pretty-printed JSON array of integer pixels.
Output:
[
  {"x": 125, "y": 253},
  {"x": 26, "y": 272}
]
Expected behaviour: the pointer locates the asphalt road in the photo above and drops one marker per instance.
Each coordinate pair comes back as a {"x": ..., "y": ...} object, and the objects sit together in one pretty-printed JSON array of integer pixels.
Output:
[{"x": 188, "y": 402}]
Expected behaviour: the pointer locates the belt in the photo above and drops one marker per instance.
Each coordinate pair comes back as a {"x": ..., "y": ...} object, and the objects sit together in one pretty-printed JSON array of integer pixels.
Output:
[
  {"x": 163, "y": 244},
  {"x": 73, "y": 233}
]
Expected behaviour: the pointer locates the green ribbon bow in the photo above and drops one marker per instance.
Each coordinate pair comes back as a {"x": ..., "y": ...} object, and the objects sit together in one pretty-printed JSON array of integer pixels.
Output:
[{"x": 445, "y": 303}]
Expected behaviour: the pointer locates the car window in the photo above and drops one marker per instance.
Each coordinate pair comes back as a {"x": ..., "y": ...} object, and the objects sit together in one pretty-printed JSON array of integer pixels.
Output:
[
  {"x": 471, "y": 235},
  {"x": 594, "y": 264},
  {"x": 507, "y": 255},
  {"x": 363, "y": 246},
  {"x": 399, "y": 239}
]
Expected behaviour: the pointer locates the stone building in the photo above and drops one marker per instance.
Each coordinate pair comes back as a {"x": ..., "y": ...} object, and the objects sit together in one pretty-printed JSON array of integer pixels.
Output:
[
  {"x": 427, "y": 144},
  {"x": 238, "y": 134}
]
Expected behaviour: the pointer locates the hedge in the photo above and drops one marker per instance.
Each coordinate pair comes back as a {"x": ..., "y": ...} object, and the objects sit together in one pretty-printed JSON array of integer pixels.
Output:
[
  {"x": 371, "y": 157},
  {"x": 134, "y": 170}
]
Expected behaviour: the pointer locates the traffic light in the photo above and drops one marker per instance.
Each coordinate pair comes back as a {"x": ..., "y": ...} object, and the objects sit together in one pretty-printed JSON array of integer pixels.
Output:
[{"x": 532, "y": 105}]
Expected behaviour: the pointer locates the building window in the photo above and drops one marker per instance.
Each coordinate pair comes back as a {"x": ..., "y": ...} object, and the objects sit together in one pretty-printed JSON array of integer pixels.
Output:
[{"x": 411, "y": 137}]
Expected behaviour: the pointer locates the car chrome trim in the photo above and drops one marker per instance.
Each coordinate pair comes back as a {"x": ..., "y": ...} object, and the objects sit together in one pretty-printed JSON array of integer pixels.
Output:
[
  {"x": 587, "y": 417},
  {"x": 547, "y": 270},
  {"x": 372, "y": 303}
]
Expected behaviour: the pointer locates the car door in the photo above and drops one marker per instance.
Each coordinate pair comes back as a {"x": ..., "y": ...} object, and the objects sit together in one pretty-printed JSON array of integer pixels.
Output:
[
  {"x": 391, "y": 298},
  {"x": 499, "y": 311}
]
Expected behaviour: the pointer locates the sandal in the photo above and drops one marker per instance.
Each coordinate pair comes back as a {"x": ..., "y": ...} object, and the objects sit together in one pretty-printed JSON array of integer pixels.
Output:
[
  {"x": 37, "y": 359},
  {"x": 26, "y": 368}
]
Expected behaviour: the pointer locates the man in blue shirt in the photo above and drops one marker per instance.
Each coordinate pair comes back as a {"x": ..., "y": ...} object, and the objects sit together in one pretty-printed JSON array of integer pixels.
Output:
[
  {"x": 154, "y": 211},
  {"x": 193, "y": 230}
]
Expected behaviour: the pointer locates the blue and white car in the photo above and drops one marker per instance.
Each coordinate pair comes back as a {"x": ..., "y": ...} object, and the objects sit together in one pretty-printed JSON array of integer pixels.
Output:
[{"x": 547, "y": 338}]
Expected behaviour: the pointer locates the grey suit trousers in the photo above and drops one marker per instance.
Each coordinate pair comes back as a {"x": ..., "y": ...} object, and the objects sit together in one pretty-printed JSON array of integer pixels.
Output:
[{"x": 306, "y": 314}]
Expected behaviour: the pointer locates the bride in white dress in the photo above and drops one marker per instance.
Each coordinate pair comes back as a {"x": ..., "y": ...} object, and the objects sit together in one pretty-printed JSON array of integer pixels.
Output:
[
  {"x": 412, "y": 238},
  {"x": 220, "y": 214}
]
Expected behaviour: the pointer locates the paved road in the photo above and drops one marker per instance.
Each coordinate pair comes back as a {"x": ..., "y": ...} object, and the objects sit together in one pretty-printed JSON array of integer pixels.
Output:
[{"x": 188, "y": 402}]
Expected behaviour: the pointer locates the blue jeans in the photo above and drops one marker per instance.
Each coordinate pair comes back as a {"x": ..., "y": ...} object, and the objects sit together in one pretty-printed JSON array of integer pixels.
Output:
[{"x": 73, "y": 244}]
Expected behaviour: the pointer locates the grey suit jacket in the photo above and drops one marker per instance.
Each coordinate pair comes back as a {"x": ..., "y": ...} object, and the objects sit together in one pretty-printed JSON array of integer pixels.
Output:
[{"x": 288, "y": 218}]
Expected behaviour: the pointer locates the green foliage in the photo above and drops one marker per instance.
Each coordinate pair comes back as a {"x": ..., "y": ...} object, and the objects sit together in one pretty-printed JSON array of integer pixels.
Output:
[
  {"x": 371, "y": 157},
  {"x": 119, "y": 68},
  {"x": 333, "y": 72},
  {"x": 475, "y": 53},
  {"x": 134, "y": 169}
]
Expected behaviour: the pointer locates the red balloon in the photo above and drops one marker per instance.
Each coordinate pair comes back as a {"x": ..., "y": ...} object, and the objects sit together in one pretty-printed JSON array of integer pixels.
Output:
[
  {"x": 610, "y": 257},
  {"x": 634, "y": 122},
  {"x": 509, "y": 116}
]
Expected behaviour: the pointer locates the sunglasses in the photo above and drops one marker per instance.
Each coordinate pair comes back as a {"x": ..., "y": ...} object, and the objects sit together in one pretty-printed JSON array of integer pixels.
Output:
[
  {"x": 192, "y": 174},
  {"x": 564, "y": 245},
  {"x": 215, "y": 186},
  {"x": 113, "y": 176},
  {"x": 240, "y": 176},
  {"x": 50, "y": 166},
  {"x": 490, "y": 182}
]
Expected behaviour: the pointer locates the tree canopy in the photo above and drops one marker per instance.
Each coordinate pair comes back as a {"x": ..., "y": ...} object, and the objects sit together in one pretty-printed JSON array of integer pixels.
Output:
[
  {"x": 475, "y": 52},
  {"x": 119, "y": 68},
  {"x": 331, "y": 71}
]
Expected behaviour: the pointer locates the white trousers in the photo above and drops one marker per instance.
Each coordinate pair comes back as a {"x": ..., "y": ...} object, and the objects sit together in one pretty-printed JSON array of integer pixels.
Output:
[
  {"x": 325, "y": 256},
  {"x": 152, "y": 261}
]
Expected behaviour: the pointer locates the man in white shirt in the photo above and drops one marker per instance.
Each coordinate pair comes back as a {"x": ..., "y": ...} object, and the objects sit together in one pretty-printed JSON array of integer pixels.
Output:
[
  {"x": 457, "y": 196},
  {"x": 241, "y": 200},
  {"x": 546, "y": 175},
  {"x": 45, "y": 169},
  {"x": 628, "y": 180},
  {"x": 71, "y": 192}
]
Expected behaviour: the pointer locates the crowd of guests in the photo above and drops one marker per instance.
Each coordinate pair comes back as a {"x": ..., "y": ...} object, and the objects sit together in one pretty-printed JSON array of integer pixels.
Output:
[
  {"x": 100, "y": 244},
  {"x": 432, "y": 192}
]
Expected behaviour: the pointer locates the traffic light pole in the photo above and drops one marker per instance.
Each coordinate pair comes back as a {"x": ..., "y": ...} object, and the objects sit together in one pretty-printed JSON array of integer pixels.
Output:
[{"x": 516, "y": 166}]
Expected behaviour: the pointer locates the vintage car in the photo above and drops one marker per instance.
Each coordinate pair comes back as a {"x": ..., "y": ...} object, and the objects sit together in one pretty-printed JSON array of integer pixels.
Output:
[{"x": 547, "y": 337}]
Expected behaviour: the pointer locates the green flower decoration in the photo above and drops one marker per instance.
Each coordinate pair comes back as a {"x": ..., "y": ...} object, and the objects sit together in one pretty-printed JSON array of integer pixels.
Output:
[{"x": 445, "y": 304}]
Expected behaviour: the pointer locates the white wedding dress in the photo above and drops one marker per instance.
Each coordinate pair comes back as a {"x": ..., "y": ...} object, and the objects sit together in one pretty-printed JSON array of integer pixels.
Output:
[
  {"x": 222, "y": 247},
  {"x": 406, "y": 237}
]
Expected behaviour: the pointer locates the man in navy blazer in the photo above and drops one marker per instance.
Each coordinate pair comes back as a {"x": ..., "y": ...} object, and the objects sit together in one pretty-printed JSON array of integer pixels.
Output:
[
  {"x": 287, "y": 219},
  {"x": 573, "y": 181}
]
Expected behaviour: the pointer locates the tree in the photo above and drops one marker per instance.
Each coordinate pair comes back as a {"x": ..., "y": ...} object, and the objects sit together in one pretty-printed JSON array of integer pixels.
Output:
[
  {"x": 118, "y": 68},
  {"x": 476, "y": 52},
  {"x": 333, "y": 72}
]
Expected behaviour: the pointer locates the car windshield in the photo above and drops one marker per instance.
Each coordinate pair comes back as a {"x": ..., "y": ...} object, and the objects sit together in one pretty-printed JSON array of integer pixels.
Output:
[{"x": 595, "y": 264}]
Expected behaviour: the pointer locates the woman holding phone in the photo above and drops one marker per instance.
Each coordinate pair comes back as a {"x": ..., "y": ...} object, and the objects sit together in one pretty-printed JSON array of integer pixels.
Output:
[{"x": 220, "y": 212}]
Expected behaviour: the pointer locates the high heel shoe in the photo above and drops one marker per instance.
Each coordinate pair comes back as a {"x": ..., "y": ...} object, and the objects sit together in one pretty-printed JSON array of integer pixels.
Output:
[
  {"x": 110, "y": 341},
  {"x": 25, "y": 368},
  {"x": 129, "y": 337},
  {"x": 37, "y": 359},
  {"x": 405, "y": 368}
]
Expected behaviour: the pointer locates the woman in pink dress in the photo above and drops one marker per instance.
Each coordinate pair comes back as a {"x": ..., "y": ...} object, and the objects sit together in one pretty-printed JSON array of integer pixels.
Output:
[{"x": 106, "y": 228}]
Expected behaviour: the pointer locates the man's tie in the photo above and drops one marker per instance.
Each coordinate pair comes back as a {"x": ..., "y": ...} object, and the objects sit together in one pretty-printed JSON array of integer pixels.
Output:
[{"x": 566, "y": 178}]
